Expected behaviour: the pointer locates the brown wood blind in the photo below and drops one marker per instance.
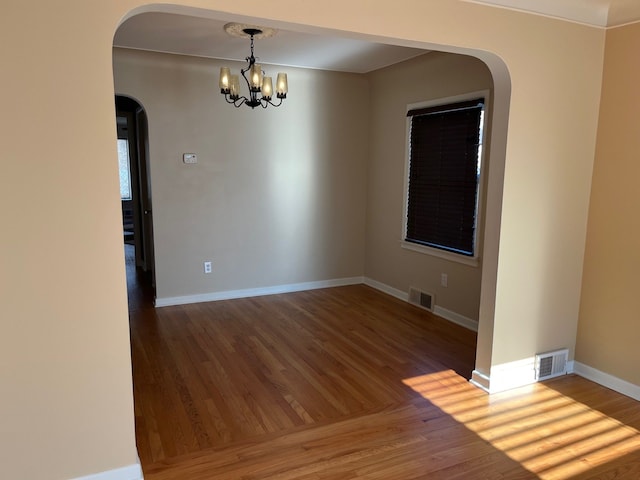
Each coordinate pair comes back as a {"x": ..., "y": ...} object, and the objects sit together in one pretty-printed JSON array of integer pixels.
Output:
[{"x": 443, "y": 177}]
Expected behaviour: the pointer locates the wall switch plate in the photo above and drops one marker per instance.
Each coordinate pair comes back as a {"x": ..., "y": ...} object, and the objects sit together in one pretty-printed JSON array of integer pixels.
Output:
[
  {"x": 444, "y": 279},
  {"x": 189, "y": 158},
  {"x": 207, "y": 267}
]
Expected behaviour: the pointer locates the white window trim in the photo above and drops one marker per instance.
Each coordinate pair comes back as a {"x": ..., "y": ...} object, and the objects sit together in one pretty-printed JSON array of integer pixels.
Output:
[{"x": 436, "y": 252}]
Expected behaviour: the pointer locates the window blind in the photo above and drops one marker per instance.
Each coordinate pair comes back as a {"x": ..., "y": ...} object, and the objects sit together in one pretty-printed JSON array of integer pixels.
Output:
[{"x": 443, "y": 177}]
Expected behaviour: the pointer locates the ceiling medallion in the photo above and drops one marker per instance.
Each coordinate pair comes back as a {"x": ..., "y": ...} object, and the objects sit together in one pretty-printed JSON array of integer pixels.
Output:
[{"x": 240, "y": 30}]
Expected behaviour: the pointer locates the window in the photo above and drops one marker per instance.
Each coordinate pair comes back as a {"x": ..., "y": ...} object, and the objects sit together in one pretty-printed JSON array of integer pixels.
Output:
[
  {"x": 445, "y": 148},
  {"x": 125, "y": 173}
]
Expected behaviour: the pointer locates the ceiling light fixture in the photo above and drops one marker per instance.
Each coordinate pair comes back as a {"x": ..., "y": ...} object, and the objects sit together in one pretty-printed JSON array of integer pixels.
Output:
[{"x": 260, "y": 86}]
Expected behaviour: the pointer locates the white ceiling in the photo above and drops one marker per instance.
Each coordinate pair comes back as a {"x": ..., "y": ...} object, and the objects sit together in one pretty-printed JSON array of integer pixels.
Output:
[{"x": 205, "y": 37}]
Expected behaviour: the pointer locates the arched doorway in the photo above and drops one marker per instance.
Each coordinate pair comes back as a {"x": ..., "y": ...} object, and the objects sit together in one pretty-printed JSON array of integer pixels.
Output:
[{"x": 135, "y": 194}]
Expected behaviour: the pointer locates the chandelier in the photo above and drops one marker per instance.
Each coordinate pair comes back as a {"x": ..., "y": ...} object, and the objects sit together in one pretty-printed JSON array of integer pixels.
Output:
[{"x": 260, "y": 86}]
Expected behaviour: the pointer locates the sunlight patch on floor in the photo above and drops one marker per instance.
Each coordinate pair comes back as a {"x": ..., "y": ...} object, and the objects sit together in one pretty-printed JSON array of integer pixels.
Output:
[{"x": 548, "y": 433}]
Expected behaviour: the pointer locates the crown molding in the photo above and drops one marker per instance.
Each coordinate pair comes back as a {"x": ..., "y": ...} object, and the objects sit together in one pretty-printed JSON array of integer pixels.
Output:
[{"x": 597, "y": 13}]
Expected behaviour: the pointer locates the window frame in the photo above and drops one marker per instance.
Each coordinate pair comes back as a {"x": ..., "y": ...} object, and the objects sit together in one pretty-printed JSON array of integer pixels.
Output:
[{"x": 472, "y": 260}]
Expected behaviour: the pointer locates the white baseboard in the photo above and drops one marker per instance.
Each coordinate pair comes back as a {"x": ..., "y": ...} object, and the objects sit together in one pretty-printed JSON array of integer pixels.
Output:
[
  {"x": 520, "y": 373},
  {"x": 441, "y": 312},
  {"x": 607, "y": 380},
  {"x": 506, "y": 376},
  {"x": 256, "y": 292},
  {"x": 570, "y": 366},
  {"x": 454, "y": 317},
  {"x": 511, "y": 375},
  {"x": 394, "y": 292},
  {"x": 131, "y": 472},
  {"x": 297, "y": 287},
  {"x": 480, "y": 380}
]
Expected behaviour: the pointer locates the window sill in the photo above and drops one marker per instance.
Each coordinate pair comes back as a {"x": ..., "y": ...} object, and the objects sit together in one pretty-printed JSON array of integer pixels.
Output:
[{"x": 435, "y": 252}]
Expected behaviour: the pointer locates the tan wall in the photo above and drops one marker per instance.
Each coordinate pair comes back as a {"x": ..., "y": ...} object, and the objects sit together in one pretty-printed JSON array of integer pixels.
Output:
[
  {"x": 277, "y": 196},
  {"x": 432, "y": 76},
  {"x": 64, "y": 349},
  {"x": 609, "y": 326}
]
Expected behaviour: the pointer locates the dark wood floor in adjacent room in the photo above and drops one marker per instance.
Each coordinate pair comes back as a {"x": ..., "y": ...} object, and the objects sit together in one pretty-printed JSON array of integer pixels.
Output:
[{"x": 349, "y": 383}]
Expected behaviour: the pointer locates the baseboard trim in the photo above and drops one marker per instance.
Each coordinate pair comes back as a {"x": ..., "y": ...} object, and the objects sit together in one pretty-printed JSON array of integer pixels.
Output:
[
  {"x": 256, "y": 292},
  {"x": 570, "y": 366},
  {"x": 480, "y": 380},
  {"x": 298, "y": 287},
  {"x": 131, "y": 472},
  {"x": 456, "y": 318},
  {"x": 506, "y": 376},
  {"x": 441, "y": 312},
  {"x": 383, "y": 287},
  {"x": 520, "y": 373},
  {"x": 606, "y": 380}
]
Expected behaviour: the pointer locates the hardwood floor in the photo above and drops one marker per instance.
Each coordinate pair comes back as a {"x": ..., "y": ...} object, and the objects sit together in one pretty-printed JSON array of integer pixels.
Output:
[{"x": 348, "y": 383}]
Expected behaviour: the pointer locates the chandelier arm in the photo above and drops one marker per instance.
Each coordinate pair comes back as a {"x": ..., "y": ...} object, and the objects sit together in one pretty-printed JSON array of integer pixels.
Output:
[
  {"x": 271, "y": 103},
  {"x": 238, "y": 102}
]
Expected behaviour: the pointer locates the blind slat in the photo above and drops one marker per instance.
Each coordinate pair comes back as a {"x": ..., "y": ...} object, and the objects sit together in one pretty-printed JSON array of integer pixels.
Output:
[{"x": 478, "y": 102}]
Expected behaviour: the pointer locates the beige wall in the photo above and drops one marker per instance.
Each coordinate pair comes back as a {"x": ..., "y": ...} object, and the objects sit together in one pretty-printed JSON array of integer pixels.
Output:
[
  {"x": 64, "y": 349},
  {"x": 545, "y": 197},
  {"x": 277, "y": 196},
  {"x": 65, "y": 370},
  {"x": 609, "y": 327},
  {"x": 432, "y": 76}
]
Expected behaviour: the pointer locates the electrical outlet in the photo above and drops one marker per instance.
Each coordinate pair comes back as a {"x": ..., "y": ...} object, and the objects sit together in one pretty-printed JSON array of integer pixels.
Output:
[
  {"x": 207, "y": 267},
  {"x": 444, "y": 279}
]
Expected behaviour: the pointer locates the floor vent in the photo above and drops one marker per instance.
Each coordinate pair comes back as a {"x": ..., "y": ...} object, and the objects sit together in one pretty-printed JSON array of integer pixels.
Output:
[
  {"x": 551, "y": 364},
  {"x": 421, "y": 299}
]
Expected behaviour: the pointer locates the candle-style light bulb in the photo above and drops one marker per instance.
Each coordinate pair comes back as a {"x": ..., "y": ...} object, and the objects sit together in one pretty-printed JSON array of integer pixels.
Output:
[
  {"x": 267, "y": 88},
  {"x": 255, "y": 77},
  {"x": 234, "y": 88},
  {"x": 225, "y": 79},
  {"x": 282, "y": 86}
]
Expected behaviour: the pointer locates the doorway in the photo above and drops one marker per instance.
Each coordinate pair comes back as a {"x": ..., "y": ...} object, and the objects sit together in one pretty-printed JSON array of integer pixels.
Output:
[{"x": 135, "y": 194}]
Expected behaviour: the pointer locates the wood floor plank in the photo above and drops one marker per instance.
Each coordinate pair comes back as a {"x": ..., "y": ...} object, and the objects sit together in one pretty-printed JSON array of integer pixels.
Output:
[{"x": 349, "y": 383}]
